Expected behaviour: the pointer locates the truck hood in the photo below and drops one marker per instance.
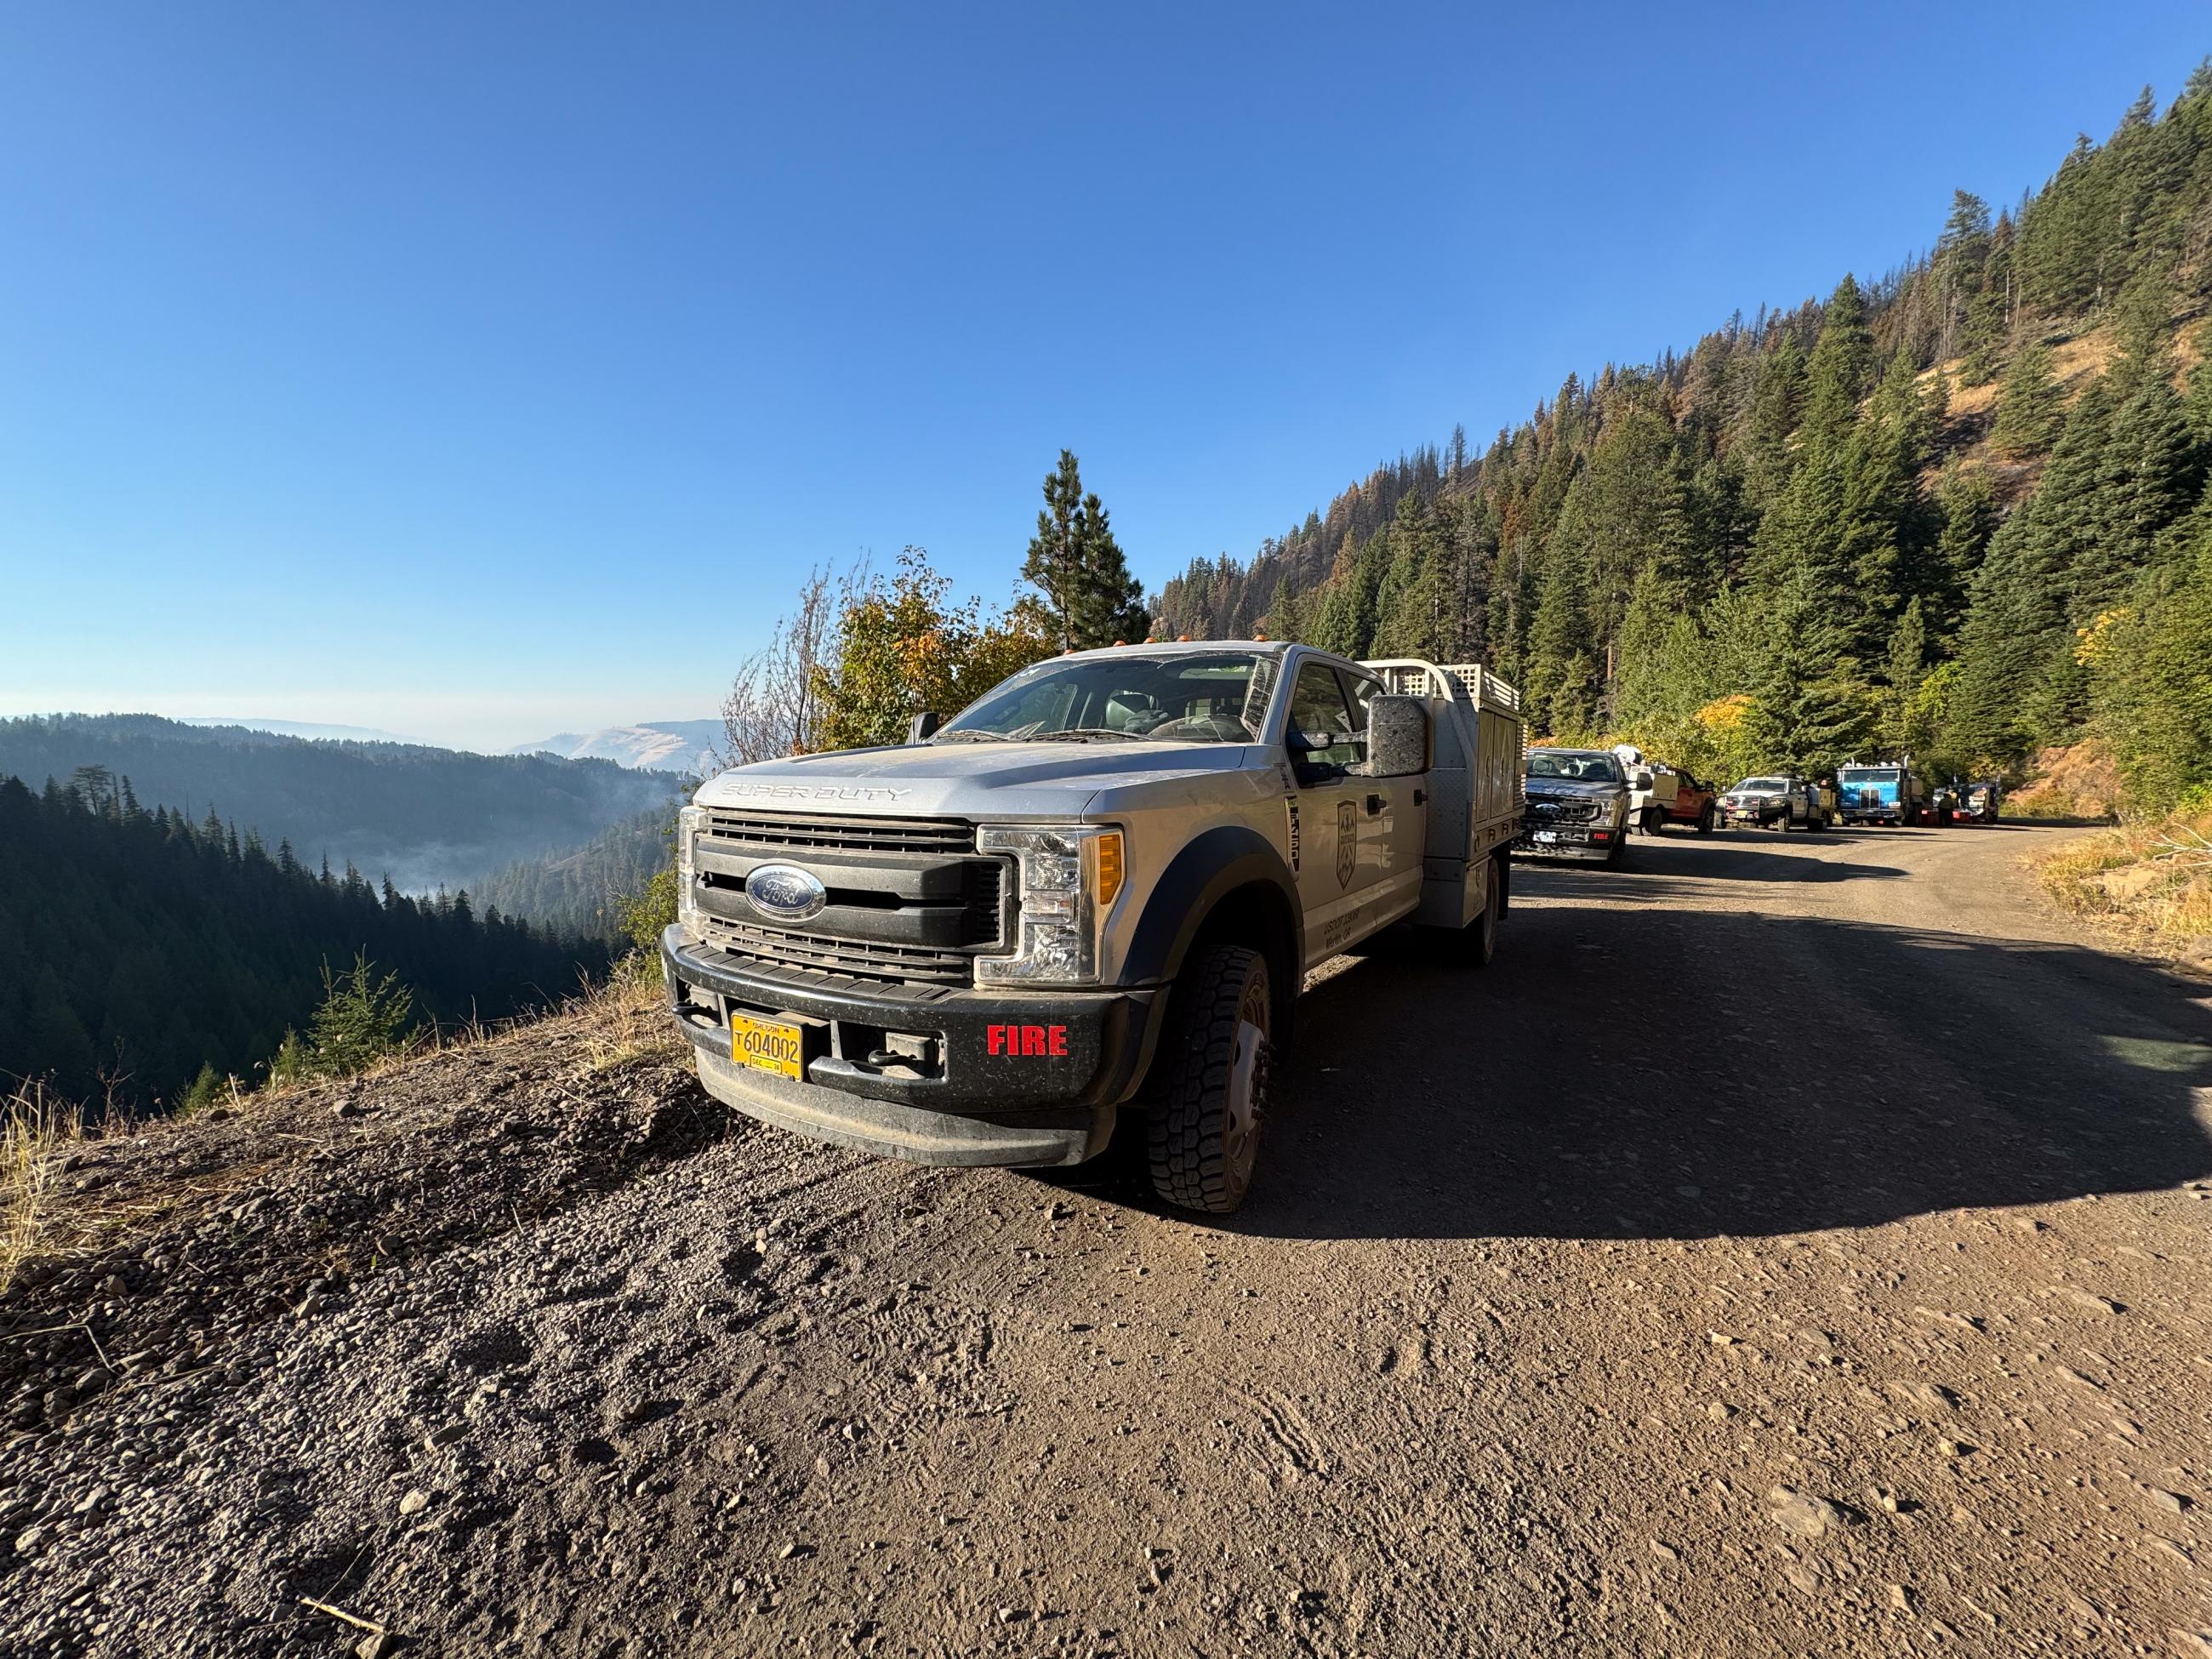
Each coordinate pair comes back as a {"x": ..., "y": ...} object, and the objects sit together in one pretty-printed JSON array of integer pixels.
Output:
[
  {"x": 1571, "y": 789},
  {"x": 1004, "y": 780}
]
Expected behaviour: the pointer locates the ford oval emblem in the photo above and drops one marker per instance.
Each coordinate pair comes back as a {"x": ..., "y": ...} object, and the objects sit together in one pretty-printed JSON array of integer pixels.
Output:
[{"x": 786, "y": 891}]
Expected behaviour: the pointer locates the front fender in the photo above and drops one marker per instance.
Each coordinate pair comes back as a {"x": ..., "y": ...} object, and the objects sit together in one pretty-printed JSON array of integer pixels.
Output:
[{"x": 1210, "y": 868}]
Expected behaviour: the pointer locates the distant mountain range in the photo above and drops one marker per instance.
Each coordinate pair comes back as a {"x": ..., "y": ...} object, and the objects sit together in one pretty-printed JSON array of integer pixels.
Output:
[
  {"x": 649, "y": 746},
  {"x": 423, "y": 815},
  {"x": 309, "y": 729}
]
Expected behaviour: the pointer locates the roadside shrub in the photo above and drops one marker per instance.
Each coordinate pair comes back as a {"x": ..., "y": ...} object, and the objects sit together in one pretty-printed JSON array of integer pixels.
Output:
[{"x": 365, "y": 1016}]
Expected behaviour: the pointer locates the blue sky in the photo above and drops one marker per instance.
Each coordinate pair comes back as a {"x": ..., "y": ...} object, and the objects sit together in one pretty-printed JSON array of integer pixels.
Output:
[{"x": 479, "y": 372}]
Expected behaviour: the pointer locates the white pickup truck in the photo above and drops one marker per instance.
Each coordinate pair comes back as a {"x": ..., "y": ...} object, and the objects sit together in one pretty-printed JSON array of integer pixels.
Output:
[{"x": 1095, "y": 890}]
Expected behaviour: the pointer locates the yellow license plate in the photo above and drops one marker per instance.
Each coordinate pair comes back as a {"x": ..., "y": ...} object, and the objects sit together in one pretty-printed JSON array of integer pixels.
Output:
[{"x": 766, "y": 1045}]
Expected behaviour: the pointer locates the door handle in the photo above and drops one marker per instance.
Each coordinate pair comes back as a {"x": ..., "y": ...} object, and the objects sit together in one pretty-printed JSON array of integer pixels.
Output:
[{"x": 1375, "y": 805}]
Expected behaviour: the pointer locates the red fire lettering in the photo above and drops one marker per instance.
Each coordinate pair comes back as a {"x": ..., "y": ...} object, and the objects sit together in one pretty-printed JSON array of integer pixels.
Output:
[{"x": 1020, "y": 1042}]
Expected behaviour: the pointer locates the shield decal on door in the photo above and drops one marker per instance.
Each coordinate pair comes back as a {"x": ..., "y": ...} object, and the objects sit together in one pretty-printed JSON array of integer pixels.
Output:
[{"x": 1347, "y": 842}]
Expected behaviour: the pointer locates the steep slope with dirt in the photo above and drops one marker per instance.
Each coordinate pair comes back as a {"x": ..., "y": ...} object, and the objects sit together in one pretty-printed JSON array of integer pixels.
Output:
[{"x": 1793, "y": 1243}]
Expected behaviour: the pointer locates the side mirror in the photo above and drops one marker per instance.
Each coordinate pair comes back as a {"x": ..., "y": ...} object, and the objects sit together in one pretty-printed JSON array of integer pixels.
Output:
[
  {"x": 1397, "y": 736},
  {"x": 1639, "y": 778},
  {"x": 922, "y": 725}
]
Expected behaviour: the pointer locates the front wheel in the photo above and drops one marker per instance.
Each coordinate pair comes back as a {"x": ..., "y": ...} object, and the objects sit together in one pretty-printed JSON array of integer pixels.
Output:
[
  {"x": 1216, "y": 1062},
  {"x": 1706, "y": 822}
]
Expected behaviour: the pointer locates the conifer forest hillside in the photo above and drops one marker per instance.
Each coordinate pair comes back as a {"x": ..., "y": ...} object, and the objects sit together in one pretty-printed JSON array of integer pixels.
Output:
[
  {"x": 1959, "y": 509},
  {"x": 142, "y": 952}
]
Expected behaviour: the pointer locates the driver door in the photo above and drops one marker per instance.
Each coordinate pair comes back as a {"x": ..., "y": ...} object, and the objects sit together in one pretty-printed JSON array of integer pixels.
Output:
[{"x": 1328, "y": 803}]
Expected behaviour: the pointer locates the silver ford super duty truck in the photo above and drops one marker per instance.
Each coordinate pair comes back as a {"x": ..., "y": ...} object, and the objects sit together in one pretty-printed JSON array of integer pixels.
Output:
[{"x": 1097, "y": 889}]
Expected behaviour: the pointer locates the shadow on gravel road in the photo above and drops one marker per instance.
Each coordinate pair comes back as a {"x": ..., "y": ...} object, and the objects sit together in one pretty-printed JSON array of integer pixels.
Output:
[
  {"x": 1714, "y": 859},
  {"x": 1649, "y": 1071}
]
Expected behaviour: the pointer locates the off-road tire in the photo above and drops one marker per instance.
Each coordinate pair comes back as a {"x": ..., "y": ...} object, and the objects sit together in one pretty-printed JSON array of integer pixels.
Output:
[
  {"x": 1477, "y": 942},
  {"x": 1197, "y": 1163}
]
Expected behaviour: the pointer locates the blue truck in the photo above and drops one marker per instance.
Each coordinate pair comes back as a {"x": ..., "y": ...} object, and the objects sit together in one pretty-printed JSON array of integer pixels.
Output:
[{"x": 1881, "y": 791}]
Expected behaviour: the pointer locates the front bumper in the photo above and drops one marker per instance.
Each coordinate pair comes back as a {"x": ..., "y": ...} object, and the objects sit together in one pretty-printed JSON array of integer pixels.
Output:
[
  {"x": 1569, "y": 840},
  {"x": 1019, "y": 1078}
]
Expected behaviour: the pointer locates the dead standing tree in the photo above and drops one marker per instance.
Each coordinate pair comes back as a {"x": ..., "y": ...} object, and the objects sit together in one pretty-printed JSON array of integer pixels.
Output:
[{"x": 775, "y": 705}]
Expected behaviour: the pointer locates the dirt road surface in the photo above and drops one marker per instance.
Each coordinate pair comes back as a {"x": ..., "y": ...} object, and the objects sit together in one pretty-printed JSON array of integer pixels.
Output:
[{"x": 1793, "y": 1243}]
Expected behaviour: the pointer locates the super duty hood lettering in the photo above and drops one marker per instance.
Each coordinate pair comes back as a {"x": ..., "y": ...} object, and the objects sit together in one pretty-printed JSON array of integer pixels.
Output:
[{"x": 811, "y": 792}]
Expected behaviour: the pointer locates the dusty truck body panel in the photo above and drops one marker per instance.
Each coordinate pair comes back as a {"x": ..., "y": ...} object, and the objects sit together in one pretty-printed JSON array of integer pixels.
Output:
[
  {"x": 968, "y": 950},
  {"x": 1474, "y": 785}
]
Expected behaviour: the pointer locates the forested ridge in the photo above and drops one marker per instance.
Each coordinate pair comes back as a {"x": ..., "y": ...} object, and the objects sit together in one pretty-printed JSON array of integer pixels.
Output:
[
  {"x": 139, "y": 949},
  {"x": 1960, "y": 510},
  {"x": 422, "y": 816},
  {"x": 583, "y": 891}
]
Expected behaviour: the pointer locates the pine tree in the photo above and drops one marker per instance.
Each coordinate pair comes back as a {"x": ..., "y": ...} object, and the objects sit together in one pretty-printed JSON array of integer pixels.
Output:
[
  {"x": 2149, "y": 472},
  {"x": 1288, "y": 614},
  {"x": 1907, "y": 663},
  {"x": 2140, "y": 332},
  {"x": 1818, "y": 709},
  {"x": 1968, "y": 506},
  {"x": 2030, "y": 404},
  {"x": 1409, "y": 599},
  {"x": 1841, "y": 365},
  {"x": 1778, "y": 394},
  {"x": 1075, "y": 563},
  {"x": 1562, "y": 678},
  {"x": 1961, "y": 253}
]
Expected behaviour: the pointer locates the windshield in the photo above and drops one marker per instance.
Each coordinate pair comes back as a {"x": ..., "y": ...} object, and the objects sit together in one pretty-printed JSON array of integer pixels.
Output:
[
  {"x": 1185, "y": 696},
  {"x": 1576, "y": 768},
  {"x": 1762, "y": 786},
  {"x": 1867, "y": 774}
]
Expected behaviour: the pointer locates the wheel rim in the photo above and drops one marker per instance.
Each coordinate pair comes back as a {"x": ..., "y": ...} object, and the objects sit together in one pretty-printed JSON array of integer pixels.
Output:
[{"x": 1247, "y": 1081}]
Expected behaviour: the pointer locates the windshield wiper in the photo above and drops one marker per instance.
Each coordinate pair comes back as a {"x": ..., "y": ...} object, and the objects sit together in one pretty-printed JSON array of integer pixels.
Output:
[
  {"x": 1083, "y": 734},
  {"x": 971, "y": 734}
]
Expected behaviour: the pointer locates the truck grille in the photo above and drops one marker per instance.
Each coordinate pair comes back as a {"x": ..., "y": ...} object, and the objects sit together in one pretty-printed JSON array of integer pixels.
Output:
[
  {"x": 816, "y": 956},
  {"x": 794, "y": 833},
  {"x": 880, "y": 927},
  {"x": 1545, "y": 810}
]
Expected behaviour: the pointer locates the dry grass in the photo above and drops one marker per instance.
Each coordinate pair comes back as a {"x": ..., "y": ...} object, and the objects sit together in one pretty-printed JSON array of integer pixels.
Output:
[
  {"x": 33, "y": 1127},
  {"x": 625, "y": 1022},
  {"x": 2151, "y": 883},
  {"x": 2072, "y": 362}
]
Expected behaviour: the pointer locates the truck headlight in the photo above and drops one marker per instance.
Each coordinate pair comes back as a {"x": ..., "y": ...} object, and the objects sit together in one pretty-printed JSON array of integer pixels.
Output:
[
  {"x": 1068, "y": 876},
  {"x": 691, "y": 822}
]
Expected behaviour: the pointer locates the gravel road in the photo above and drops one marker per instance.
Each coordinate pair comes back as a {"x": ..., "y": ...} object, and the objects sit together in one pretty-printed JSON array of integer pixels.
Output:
[{"x": 1793, "y": 1244}]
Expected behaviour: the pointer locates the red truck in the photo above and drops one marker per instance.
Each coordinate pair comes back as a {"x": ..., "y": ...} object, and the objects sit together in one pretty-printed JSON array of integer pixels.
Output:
[{"x": 1660, "y": 795}]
